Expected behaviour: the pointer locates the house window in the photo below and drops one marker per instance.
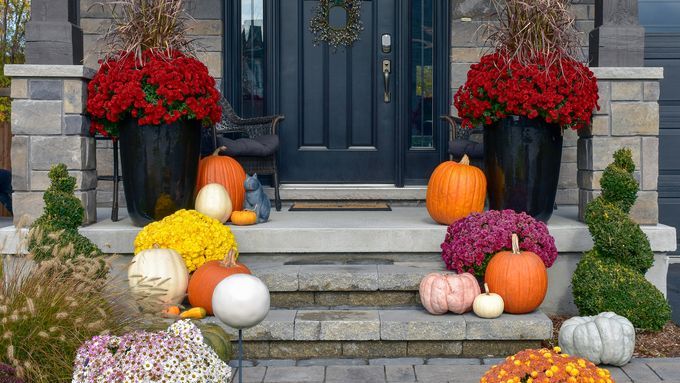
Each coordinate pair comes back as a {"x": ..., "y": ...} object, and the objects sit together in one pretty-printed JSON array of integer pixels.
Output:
[
  {"x": 252, "y": 58},
  {"x": 421, "y": 75}
]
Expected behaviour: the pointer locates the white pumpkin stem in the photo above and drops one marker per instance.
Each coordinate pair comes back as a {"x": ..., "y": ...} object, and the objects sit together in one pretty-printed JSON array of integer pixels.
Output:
[
  {"x": 465, "y": 160},
  {"x": 486, "y": 288},
  {"x": 515, "y": 244},
  {"x": 218, "y": 150},
  {"x": 156, "y": 246}
]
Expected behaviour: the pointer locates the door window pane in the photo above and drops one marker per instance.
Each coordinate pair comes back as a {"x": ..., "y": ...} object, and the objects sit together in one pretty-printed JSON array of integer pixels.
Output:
[
  {"x": 252, "y": 58},
  {"x": 421, "y": 72}
]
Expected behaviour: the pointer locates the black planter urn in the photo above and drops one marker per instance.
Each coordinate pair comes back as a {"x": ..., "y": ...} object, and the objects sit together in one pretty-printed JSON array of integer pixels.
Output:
[
  {"x": 159, "y": 165},
  {"x": 522, "y": 159}
]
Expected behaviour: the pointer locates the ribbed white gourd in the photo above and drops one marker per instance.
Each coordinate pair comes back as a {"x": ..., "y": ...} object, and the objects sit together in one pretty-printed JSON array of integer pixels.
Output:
[{"x": 606, "y": 338}]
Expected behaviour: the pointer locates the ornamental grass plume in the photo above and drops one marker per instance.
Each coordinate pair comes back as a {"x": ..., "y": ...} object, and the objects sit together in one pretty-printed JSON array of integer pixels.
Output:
[
  {"x": 472, "y": 241},
  {"x": 196, "y": 237},
  {"x": 546, "y": 366},
  {"x": 48, "y": 309}
]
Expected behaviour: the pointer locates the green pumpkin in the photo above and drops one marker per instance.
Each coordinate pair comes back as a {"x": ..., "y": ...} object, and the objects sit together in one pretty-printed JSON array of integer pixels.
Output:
[{"x": 215, "y": 337}]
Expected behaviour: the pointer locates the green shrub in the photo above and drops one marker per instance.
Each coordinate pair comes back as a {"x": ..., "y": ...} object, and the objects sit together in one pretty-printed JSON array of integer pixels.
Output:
[
  {"x": 611, "y": 277},
  {"x": 600, "y": 284},
  {"x": 57, "y": 228},
  {"x": 617, "y": 237}
]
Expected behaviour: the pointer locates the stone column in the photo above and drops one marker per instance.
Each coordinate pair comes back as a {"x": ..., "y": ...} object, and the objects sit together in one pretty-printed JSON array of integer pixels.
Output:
[
  {"x": 618, "y": 40},
  {"x": 49, "y": 126},
  {"x": 628, "y": 117},
  {"x": 53, "y": 35}
]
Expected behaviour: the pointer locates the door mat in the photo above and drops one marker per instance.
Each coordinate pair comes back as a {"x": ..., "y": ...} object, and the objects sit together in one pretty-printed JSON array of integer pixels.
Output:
[{"x": 340, "y": 206}]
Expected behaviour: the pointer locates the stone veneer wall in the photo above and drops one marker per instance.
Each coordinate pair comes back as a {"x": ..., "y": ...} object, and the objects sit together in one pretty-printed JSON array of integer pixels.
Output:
[
  {"x": 467, "y": 43},
  {"x": 628, "y": 117},
  {"x": 48, "y": 127},
  {"x": 206, "y": 30}
]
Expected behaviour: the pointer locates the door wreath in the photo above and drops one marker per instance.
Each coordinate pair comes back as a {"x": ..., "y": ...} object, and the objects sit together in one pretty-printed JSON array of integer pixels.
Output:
[{"x": 334, "y": 36}]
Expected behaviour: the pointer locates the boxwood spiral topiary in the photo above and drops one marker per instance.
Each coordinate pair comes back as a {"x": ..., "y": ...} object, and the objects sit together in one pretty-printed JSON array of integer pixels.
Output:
[
  {"x": 57, "y": 228},
  {"x": 611, "y": 277}
]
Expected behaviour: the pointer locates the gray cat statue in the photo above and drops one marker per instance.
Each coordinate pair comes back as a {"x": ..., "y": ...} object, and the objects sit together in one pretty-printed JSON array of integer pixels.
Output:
[{"x": 256, "y": 199}]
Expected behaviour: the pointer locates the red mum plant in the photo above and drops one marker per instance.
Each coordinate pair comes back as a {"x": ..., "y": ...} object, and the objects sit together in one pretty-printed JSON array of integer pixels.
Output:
[
  {"x": 534, "y": 70},
  {"x": 472, "y": 241},
  {"x": 166, "y": 87}
]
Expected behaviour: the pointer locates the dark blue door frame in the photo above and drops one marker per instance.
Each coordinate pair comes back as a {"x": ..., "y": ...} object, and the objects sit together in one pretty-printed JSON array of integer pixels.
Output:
[{"x": 411, "y": 166}]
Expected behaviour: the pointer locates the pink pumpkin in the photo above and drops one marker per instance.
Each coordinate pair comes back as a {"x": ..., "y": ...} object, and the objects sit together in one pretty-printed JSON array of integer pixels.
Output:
[{"x": 440, "y": 292}]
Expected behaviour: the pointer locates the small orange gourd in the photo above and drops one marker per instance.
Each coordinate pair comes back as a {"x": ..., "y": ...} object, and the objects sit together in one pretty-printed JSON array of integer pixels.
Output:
[
  {"x": 243, "y": 217},
  {"x": 519, "y": 277},
  {"x": 455, "y": 190},
  {"x": 226, "y": 171},
  {"x": 205, "y": 279}
]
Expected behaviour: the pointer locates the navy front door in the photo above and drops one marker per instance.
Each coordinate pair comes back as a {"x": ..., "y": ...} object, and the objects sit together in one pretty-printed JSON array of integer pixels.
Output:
[{"x": 338, "y": 127}]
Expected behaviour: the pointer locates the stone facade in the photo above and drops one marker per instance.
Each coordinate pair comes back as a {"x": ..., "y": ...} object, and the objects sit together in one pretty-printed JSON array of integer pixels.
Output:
[
  {"x": 628, "y": 117},
  {"x": 49, "y": 127}
]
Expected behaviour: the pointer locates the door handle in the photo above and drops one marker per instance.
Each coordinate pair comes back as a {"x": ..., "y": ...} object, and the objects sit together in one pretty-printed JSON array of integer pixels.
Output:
[{"x": 387, "y": 70}]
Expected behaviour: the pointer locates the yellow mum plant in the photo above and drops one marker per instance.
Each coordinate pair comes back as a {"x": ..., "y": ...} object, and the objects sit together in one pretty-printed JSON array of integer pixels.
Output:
[
  {"x": 198, "y": 238},
  {"x": 546, "y": 366}
]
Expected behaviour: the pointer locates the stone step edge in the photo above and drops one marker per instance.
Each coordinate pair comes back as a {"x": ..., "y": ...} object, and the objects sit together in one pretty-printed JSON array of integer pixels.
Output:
[{"x": 392, "y": 325}]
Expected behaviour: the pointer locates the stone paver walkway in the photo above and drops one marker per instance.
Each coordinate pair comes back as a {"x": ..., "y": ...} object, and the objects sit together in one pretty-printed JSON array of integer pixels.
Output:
[{"x": 438, "y": 370}]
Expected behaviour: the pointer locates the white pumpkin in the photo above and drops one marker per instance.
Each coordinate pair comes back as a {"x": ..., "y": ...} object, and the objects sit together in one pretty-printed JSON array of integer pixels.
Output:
[
  {"x": 162, "y": 269},
  {"x": 488, "y": 305},
  {"x": 213, "y": 200},
  {"x": 606, "y": 338}
]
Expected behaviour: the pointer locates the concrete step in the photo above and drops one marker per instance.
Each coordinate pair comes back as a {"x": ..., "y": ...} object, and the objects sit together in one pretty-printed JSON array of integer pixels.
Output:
[{"x": 300, "y": 334}]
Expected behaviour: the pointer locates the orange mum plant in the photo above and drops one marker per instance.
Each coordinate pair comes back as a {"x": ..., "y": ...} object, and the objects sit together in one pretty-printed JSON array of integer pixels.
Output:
[{"x": 546, "y": 366}]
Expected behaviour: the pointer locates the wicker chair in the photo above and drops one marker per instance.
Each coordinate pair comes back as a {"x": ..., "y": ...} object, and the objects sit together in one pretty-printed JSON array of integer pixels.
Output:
[
  {"x": 251, "y": 128},
  {"x": 460, "y": 143}
]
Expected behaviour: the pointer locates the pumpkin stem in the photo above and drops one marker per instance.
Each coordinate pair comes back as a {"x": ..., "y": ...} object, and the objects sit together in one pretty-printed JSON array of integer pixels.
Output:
[
  {"x": 230, "y": 259},
  {"x": 218, "y": 150},
  {"x": 465, "y": 160},
  {"x": 156, "y": 246},
  {"x": 515, "y": 244},
  {"x": 486, "y": 288}
]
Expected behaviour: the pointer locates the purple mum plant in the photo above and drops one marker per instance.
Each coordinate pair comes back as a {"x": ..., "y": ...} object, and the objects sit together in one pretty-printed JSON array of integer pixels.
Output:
[{"x": 472, "y": 241}]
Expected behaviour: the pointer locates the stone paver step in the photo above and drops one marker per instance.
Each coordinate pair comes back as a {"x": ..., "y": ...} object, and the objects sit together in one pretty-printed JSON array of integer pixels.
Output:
[
  {"x": 468, "y": 370},
  {"x": 393, "y": 325}
]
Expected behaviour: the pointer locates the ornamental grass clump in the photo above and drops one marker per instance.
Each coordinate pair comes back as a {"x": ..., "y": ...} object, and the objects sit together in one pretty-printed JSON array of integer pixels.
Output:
[
  {"x": 48, "y": 309},
  {"x": 177, "y": 354},
  {"x": 611, "y": 277},
  {"x": 546, "y": 366},
  {"x": 196, "y": 237},
  {"x": 472, "y": 241}
]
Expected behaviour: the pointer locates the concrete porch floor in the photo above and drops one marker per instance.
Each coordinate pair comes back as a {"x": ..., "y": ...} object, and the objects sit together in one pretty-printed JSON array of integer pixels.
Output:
[{"x": 405, "y": 229}]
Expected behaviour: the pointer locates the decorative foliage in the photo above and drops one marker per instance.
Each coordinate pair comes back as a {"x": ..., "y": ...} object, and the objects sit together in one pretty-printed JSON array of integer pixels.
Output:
[
  {"x": 546, "y": 366},
  {"x": 324, "y": 32},
  {"x": 8, "y": 374},
  {"x": 611, "y": 276},
  {"x": 472, "y": 241},
  {"x": 57, "y": 228},
  {"x": 519, "y": 277},
  {"x": 160, "y": 87},
  {"x": 499, "y": 86},
  {"x": 141, "y": 25},
  {"x": 196, "y": 237},
  {"x": 603, "y": 339},
  {"x": 49, "y": 309},
  {"x": 455, "y": 190},
  {"x": 175, "y": 355},
  {"x": 531, "y": 30}
]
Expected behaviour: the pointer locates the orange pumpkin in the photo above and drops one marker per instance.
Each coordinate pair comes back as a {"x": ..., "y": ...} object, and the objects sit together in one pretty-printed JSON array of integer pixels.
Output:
[
  {"x": 455, "y": 190},
  {"x": 226, "y": 171},
  {"x": 243, "y": 217},
  {"x": 519, "y": 277},
  {"x": 205, "y": 279}
]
